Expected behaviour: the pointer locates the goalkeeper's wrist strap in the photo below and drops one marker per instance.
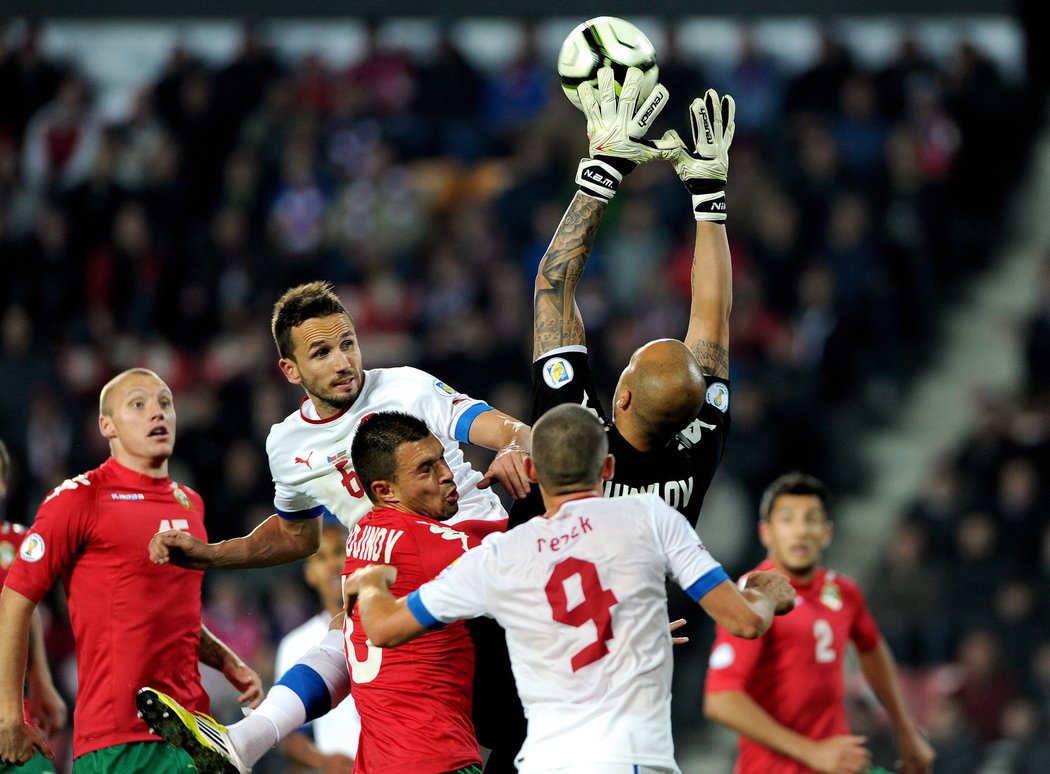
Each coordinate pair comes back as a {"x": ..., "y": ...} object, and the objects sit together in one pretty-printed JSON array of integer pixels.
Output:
[
  {"x": 710, "y": 206},
  {"x": 598, "y": 178}
]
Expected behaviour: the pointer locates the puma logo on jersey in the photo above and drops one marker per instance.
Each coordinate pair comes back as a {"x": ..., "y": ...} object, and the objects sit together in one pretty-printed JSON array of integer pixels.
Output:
[
  {"x": 370, "y": 543},
  {"x": 675, "y": 493},
  {"x": 301, "y": 461}
]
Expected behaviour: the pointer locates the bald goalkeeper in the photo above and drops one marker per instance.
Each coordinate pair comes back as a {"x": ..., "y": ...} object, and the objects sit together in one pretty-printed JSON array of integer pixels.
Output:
[{"x": 670, "y": 412}]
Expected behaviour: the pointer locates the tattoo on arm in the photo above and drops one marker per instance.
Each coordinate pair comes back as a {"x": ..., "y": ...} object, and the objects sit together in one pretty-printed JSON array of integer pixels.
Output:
[
  {"x": 557, "y": 319},
  {"x": 211, "y": 651},
  {"x": 713, "y": 357}
]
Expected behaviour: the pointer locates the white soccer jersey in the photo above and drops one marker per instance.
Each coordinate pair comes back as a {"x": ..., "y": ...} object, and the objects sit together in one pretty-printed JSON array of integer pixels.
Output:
[
  {"x": 583, "y": 600},
  {"x": 339, "y": 730},
  {"x": 310, "y": 457}
]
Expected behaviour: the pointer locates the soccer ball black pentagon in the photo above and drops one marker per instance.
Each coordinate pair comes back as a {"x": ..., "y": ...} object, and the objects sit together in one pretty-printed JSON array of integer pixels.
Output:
[{"x": 605, "y": 40}]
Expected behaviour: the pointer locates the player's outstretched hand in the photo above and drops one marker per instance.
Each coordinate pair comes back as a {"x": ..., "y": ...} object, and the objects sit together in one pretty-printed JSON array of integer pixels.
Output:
[
  {"x": 705, "y": 167},
  {"x": 376, "y": 575},
  {"x": 615, "y": 127},
  {"x": 48, "y": 708},
  {"x": 247, "y": 681},
  {"x": 508, "y": 467},
  {"x": 19, "y": 743},
  {"x": 181, "y": 549},
  {"x": 916, "y": 753},
  {"x": 775, "y": 586},
  {"x": 844, "y": 754}
]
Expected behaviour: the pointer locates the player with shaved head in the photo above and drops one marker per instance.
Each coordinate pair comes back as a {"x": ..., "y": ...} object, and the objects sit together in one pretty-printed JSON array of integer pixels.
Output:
[
  {"x": 134, "y": 622},
  {"x": 670, "y": 410}
]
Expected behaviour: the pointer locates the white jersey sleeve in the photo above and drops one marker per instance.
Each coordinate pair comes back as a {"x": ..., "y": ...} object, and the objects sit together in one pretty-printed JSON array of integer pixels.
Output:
[
  {"x": 460, "y": 591},
  {"x": 448, "y": 413},
  {"x": 688, "y": 560}
]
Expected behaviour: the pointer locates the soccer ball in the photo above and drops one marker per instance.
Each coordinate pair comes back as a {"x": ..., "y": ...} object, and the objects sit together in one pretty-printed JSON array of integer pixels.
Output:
[{"x": 602, "y": 41}]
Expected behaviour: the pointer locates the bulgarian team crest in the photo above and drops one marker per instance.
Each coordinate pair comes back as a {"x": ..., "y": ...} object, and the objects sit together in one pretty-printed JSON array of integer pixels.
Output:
[
  {"x": 831, "y": 596},
  {"x": 181, "y": 496}
]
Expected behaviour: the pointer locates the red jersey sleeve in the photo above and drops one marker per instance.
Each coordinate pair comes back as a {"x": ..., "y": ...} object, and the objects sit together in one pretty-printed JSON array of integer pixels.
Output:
[
  {"x": 732, "y": 662},
  {"x": 864, "y": 632},
  {"x": 59, "y": 533}
]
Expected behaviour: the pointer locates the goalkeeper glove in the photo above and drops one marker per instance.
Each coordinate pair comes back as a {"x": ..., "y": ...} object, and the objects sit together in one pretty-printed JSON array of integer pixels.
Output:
[
  {"x": 706, "y": 169},
  {"x": 614, "y": 131}
]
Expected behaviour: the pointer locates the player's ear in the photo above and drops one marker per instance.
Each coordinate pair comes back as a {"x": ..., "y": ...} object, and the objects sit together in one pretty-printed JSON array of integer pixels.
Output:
[
  {"x": 623, "y": 400},
  {"x": 290, "y": 370},
  {"x": 383, "y": 491},
  {"x": 763, "y": 532},
  {"x": 530, "y": 470},
  {"x": 608, "y": 467},
  {"x": 105, "y": 427},
  {"x": 826, "y": 540}
]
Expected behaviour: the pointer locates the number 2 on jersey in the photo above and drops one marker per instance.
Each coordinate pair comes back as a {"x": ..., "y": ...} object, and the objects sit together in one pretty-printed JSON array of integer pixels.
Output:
[
  {"x": 596, "y": 606},
  {"x": 825, "y": 638}
]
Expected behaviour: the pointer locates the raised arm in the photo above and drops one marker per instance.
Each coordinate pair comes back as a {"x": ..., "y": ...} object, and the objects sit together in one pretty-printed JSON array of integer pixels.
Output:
[
  {"x": 712, "y": 299},
  {"x": 275, "y": 541},
  {"x": 705, "y": 170},
  {"x": 217, "y": 654},
  {"x": 880, "y": 671},
  {"x": 615, "y": 126},
  {"x": 556, "y": 317}
]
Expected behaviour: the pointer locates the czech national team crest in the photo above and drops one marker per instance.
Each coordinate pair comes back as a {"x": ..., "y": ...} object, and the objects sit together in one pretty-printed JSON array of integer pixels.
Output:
[{"x": 557, "y": 372}]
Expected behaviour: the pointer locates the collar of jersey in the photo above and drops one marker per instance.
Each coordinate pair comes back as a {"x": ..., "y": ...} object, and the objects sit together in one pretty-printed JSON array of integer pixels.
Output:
[{"x": 302, "y": 414}]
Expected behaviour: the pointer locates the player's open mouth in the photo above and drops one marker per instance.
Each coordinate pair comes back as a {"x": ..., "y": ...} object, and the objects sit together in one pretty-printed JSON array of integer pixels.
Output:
[
  {"x": 453, "y": 496},
  {"x": 159, "y": 432}
]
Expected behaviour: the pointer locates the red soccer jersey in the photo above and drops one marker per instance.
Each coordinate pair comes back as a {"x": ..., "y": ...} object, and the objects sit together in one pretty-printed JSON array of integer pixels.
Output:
[
  {"x": 135, "y": 623},
  {"x": 415, "y": 700},
  {"x": 794, "y": 671}
]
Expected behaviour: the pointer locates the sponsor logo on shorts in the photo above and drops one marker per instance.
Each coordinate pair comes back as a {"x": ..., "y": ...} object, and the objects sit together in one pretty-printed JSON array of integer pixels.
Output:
[
  {"x": 718, "y": 396},
  {"x": 33, "y": 548},
  {"x": 442, "y": 388},
  {"x": 557, "y": 372}
]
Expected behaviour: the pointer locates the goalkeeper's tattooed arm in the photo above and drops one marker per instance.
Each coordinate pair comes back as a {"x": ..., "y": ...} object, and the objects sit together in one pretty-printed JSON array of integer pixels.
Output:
[{"x": 557, "y": 319}]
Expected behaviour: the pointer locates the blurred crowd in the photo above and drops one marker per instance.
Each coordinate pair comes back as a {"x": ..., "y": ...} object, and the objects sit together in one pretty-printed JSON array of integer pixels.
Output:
[{"x": 427, "y": 188}]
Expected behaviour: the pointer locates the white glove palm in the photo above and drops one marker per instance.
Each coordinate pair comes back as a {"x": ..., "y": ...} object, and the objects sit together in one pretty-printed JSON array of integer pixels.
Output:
[
  {"x": 614, "y": 131},
  {"x": 706, "y": 169}
]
